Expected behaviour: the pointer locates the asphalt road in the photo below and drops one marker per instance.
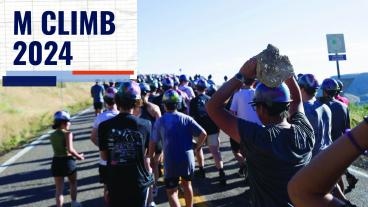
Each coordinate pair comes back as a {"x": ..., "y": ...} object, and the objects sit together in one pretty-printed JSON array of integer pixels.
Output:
[{"x": 28, "y": 180}]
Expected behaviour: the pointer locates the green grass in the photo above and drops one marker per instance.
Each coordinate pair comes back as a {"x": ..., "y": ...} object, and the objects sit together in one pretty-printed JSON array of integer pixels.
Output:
[
  {"x": 27, "y": 112},
  {"x": 357, "y": 112},
  {"x": 36, "y": 127}
]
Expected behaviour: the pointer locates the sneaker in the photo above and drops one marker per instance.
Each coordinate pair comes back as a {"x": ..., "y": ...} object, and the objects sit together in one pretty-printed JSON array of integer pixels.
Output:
[
  {"x": 200, "y": 173},
  {"x": 76, "y": 204},
  {"x": 152, "y": 204}
]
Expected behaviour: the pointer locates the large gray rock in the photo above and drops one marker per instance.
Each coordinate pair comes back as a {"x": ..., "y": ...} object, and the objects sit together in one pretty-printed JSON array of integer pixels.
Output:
[{"x": 273, "y": 68}]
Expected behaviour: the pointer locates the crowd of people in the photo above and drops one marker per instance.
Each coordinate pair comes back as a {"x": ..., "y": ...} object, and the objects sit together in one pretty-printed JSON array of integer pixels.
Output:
[{"x": 288, "y": 142}]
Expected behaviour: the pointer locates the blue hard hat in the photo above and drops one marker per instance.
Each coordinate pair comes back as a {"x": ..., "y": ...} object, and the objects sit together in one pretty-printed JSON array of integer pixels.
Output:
[
  {"x": 145, "y": 88},
  {"x": 308, "y": 81},
  {"x": 176, "y": 81},
  {"x": 264, "y": 94},
  {"x": 167, "y": 83},
  {"x": 330, "y": 84},
  {"x": 171, "y": 96},
  {"x": 62, "y": 115},
  {"x": 183, "y": 78},
  {"x": 201, "y": 83},
  {"x": 130, "y": 90}
]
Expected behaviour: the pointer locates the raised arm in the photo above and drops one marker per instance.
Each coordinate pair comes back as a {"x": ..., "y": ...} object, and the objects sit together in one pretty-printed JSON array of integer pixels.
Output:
[
  {"x": 224, "y": 119},
  {"x": 311, "y": 185},
  {"x": 297, "y": 104}
]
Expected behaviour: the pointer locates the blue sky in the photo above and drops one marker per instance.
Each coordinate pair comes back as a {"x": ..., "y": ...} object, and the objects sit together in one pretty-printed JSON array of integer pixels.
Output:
[{"x": 217, "y": 36}]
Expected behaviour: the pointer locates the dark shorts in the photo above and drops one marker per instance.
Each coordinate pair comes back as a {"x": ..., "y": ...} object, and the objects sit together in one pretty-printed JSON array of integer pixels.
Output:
[
  {"x": 102, "y": 170},
  {"x": 235, "y": 147},
  {"x": 124, "y": 196},
  {"x": 171, "y": 183},
  {"x": 63, "y": 166},
  {"x": 98, "y": 105},
  {"x": 158, "y": 148}
]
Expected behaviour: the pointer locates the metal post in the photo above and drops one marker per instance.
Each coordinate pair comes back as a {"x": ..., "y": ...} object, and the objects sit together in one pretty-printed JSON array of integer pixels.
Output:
[{"x": 338, "y": 68}]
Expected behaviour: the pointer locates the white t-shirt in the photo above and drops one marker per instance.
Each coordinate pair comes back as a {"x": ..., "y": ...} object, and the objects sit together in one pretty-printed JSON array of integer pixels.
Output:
[
  {"x": 241, "y": 106},
  {"x": 106, "y": 115},
  {"x": 188, "y": 90}
]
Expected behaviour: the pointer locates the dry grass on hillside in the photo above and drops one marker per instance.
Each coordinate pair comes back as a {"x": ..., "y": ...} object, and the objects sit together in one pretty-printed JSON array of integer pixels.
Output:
[{"x": 24, "y": 111}]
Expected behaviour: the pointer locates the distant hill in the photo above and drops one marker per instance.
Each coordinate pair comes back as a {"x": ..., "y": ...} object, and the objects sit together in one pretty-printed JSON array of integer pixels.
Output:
[{"x": 355, "y": 87}]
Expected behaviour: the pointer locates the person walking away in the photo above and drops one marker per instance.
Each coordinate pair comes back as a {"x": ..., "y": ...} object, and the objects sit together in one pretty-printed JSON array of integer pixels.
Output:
[
  {"x": 276, "y": 150},
  {"x": 240, "y": 108},
  {"x": 340, "y": 121},
  {"x": 63, "y": 162},
  {"x": 318, "y": 114},
  {"x": 338, "y": 95},
  {"x": 123, "y": 141},
  {"x": 200, "y": 115},
  {"x": 176, "y": 130},
  {"x": 111, "y": 112},
  {"x": 151, "y": 112},
  {"x": 97, "y": 93}
]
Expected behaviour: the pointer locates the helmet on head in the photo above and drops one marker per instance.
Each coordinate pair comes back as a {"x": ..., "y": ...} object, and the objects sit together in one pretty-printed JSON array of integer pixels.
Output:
[
  {"x": 145, "y": 88},
  {"x": 308, "y": 81},
  {"x": 129, "y": 90},
  {"x": 110, "y": 93},
  {"x": 176, "y": 81},
  {"x": 183, "y": 78},
  {"x": 62, "y": 116},
  {"x": 264, "y": 94},
  {"x": 167, "y": 83},
  {"x": 171, "y": 96},
  {"x": 202, "y": 83},
  {"x": 341, "y": 85},
  {"x": 330, "y": 84}
]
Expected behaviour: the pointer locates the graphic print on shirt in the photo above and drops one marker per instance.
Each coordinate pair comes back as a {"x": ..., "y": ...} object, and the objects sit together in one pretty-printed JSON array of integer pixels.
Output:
[
  {"x": 124, "y": 146},
  {"x": 201, "y": 108}
]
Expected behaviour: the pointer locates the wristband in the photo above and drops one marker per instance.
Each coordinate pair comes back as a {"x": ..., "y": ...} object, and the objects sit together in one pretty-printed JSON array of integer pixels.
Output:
[{"x": 355, "y": 143}]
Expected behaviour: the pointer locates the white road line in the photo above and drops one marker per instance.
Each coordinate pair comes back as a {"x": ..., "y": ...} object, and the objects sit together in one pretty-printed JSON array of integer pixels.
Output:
[
  {"x": 358, "y": 172},
  {"x": 31, "y": 146}
]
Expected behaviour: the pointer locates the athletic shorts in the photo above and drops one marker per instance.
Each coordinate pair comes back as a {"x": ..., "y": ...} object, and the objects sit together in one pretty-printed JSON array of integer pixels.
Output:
[
  {"x": 102, "y": 170},
  {"x": 235, "y": 147},
  {"x": 63, "y": 166},
  {"x": 212, "y": 139},
  {"x": 158, "y": 149},
  {"x": 97, "y": 105},
  {"x": 124, "y": 196},
  {"x": 171, "y": 183}
]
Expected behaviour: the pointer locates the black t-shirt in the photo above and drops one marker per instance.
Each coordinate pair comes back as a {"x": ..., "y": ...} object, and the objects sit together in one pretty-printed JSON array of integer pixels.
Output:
[
  {"x": 198, "y": 111},
  {"x": 125, "y": 138},
  {"x": 274, "y": 155}
]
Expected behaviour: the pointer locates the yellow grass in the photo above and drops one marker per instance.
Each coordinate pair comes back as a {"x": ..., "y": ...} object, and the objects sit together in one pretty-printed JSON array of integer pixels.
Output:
[{"x": 24, "y": 112}]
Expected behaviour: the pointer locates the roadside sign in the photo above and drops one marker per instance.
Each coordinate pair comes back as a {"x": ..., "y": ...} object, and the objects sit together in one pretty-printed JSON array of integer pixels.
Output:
[
  {"x": 335, "y": 43},
  {"x": 336, "y": 57}
]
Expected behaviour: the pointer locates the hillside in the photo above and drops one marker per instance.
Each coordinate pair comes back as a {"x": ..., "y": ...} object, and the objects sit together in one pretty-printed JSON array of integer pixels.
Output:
[
  {"x": 25, "y": 112},
  {"x": 356, "y": 87}
]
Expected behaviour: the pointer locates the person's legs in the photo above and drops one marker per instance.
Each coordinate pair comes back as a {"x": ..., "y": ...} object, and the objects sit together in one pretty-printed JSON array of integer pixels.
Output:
[
  {"x": 172, "y": 195},
  {"x": 73, "y": 186},
  {"x": 59, "y": 186},
  {"x": 188, "y": 192},
  {"x": 200, "y": 161},
  {"x": 235, "y": 147},
  {"x": 214, "y": 146},
  {"x": 171, "y": 185}
]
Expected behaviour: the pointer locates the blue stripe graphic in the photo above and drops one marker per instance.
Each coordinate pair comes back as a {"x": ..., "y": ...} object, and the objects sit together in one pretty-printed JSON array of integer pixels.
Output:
[{"x": 29, "y": 81}]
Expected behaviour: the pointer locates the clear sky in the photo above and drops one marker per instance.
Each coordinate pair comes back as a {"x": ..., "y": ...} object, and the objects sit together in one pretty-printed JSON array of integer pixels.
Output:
[{"x": 218, "y": 36}]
